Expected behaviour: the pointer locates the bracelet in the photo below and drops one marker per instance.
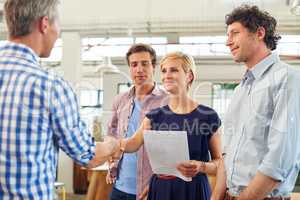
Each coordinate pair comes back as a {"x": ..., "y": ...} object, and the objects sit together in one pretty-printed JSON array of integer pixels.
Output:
[
  {"x": 122, "y": 148},
  {"x": 202, "y": 166}
]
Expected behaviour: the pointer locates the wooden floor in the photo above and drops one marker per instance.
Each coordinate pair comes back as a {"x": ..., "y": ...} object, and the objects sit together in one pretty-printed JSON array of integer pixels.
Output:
[
  {"x": 75, "y": 197},
  {"x": 296, "y": 196}
]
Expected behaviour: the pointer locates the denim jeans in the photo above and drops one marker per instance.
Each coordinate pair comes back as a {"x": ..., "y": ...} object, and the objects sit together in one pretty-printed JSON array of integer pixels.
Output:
[{"x": 119, "y": 195}]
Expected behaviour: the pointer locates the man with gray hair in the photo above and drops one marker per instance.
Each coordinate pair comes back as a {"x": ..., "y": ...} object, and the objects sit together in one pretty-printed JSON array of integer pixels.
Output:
[{"x": 38, "y": 110}]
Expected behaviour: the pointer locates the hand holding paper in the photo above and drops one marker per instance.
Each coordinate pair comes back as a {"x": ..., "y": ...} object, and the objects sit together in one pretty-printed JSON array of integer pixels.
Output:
[
  {"x": 166, "y": 149},
  {"x": 189, "y": 168}
]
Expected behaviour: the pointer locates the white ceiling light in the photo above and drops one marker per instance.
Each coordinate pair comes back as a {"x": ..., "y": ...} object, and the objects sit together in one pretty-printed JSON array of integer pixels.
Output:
[
  {"x": 295, "y": 9},
  {"x": 107, "y": 67}
]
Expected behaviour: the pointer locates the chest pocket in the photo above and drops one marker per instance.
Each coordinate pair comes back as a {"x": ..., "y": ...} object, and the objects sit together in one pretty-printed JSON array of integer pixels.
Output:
[{"x": 261, "y": 101}]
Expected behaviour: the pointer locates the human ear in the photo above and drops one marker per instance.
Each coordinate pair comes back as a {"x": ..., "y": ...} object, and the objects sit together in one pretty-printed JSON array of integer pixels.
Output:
[
  {"x": 43, "y": 24},
  {"x": 261, "y": 33}
]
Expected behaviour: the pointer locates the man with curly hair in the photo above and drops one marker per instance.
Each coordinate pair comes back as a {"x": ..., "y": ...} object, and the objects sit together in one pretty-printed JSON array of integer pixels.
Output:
[{"x": 261, "y": 127}]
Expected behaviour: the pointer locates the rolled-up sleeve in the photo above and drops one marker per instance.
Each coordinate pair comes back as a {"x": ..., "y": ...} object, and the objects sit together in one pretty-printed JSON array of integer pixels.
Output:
[
  {"x": 71, "y": 132},
  {"x": 283, "y": 138}
]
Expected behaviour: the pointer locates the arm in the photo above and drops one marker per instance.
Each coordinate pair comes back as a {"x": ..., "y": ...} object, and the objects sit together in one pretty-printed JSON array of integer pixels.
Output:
[
  {"x": 193, "y": 167},
  {"x": 133, "y": 143},
  {"x": 259, "y": 187},
  {"x": 214, "y": 167},
  {"x": 73, "y": 136},
  {"x": 70, "y": 132},
  {"x": 215, "y": 149},
  {"x": 220, "y": 186}
]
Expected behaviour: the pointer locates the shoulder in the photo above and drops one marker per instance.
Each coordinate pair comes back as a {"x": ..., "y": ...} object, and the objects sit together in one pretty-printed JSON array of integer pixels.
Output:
[
  {"x": 210, "y": 113},
  {"x": 206, "y": 110},
  {"x": 159, "y": 97},
  {"x": 157, "y": 112},
  {"x": 122, "y": 97},
  {"x": 282, "y": 74}
]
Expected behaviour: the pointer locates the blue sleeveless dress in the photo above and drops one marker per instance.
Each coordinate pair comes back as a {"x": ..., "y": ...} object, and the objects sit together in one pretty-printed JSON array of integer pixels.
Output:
[{"x": 200, "y": 124}]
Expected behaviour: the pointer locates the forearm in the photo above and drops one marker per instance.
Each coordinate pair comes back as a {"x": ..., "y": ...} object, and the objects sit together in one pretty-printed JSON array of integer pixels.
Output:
[
  {"x": 208, "y": 167},
  {"x": 260, "y": 186},
  {"x": 220, "y": 187},
  {"x": 132, "y": 144}
]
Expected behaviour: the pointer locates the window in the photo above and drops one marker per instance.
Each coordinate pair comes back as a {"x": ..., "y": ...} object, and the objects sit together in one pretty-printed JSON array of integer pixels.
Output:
[
  {"x": 123, "y": 87},
  {"x": 222, "y": 93},
  {"x": 289, "y": 45},
  {"x": 91, "y": 98},
  {"x": 95, "y": 48}
]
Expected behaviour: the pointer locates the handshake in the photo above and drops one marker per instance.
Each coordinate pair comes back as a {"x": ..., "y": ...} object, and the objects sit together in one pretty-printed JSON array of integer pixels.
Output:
[{"x": 105, "y": 150}]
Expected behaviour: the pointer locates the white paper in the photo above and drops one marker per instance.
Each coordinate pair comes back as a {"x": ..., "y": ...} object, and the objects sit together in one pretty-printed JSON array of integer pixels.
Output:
[{"x": 165, "y": 150}]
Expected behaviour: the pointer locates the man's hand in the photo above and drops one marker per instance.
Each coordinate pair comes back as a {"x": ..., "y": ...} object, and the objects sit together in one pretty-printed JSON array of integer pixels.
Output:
[
  {"x": 144, "y": 194},
  {"x": 104, "y": 150},
  {"x": 112, "y": 171}
]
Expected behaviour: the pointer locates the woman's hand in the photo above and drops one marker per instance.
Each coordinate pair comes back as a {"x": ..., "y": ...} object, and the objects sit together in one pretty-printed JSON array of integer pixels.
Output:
[{"x": 190, "y": 168}]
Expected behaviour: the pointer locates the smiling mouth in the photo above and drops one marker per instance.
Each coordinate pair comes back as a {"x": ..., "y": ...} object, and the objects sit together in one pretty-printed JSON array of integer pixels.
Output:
[
  {"x": 169, "y": 82},
  {"x": 233, "y": 50}
]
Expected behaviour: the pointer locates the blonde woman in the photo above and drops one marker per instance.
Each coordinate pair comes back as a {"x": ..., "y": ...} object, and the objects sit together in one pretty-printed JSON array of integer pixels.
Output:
[{"x": 182, "y": 114}]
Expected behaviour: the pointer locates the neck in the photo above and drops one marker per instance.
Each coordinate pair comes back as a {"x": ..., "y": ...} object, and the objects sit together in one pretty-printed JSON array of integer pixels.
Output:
[
  {"x": 142, "y": 90},
  {"x": 31, "y": 41},
  {"x": 181, "y": 103},
  {"x": 258, "y": 55}
]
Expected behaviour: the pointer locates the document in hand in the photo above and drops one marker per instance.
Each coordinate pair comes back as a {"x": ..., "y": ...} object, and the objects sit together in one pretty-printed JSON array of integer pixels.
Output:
[{"x": 165, "y": 150}]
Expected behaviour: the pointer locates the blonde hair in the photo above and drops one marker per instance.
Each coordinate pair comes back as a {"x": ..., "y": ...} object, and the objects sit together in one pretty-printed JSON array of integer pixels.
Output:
[{"x": 187, "y": 63}]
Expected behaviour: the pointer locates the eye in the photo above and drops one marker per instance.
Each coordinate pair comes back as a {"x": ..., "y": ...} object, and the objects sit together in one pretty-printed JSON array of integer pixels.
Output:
[
  {"x": 163, "y": 70},
  {"x": 133, "y": 64},
  {"x": 145, "y": 63},
  {"x": 235, "y": 32}
]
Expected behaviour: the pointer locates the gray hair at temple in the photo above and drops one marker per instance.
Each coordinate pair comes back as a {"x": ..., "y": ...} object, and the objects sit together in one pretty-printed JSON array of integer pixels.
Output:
[{"x": 21, "y": 15}]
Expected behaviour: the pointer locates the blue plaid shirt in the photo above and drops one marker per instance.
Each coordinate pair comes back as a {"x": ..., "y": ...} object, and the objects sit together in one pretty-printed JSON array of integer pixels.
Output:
[{"x": 38, "y": 115}]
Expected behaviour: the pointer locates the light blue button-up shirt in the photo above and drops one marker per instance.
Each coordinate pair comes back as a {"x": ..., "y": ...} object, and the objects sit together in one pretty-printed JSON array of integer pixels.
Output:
[
  {"x": 126, "y": 181},
  {"x": 262, "y": 127}
]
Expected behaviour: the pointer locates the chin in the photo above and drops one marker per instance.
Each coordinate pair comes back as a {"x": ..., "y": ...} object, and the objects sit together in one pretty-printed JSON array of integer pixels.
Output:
[
  {"x": 237, "y": 59},
  {"x": 141, "y": 83},
  {"x": 45, "y": 54},
  {"x": 169, "y": 89}
]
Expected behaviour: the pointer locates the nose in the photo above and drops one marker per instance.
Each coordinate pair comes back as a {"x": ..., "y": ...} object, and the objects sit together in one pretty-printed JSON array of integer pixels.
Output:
[
  {"x": 167, "y": 75},
  {"x": 229, "y": 41},
  {"x": 139, "y": 67}
]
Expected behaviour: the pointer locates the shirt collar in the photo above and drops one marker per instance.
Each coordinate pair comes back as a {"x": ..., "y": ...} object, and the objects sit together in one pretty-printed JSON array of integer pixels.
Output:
[
  {"x": 156, "y": 91},
  {"x": 17, "y": 50},
  {"x": 259, "y": 69}
]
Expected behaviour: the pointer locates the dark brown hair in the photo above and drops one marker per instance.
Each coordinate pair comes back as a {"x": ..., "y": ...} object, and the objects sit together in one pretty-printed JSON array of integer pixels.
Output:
[
  {"x": 137, "y": 48},
  {"x": 252, "y": 18}
]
